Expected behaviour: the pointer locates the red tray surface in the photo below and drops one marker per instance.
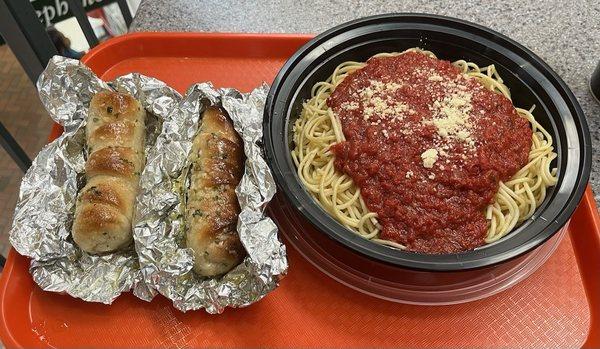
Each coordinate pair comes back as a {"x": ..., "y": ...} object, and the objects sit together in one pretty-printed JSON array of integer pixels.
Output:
[{"x": 557, "y": 306}]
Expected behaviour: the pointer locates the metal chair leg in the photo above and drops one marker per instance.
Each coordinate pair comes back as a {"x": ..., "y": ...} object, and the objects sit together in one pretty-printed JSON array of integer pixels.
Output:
[
  {"x": 84, "y": 23},
  {"x": 125, "y": 12},
  {"x": 31, "y": 45},
  {"x": 13, "y": 149},
  {"x": 26, "y": 36}
]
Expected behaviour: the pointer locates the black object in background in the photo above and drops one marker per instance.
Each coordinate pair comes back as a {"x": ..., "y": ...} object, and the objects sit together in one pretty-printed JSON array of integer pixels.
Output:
[{"x": 595, "y": 83}]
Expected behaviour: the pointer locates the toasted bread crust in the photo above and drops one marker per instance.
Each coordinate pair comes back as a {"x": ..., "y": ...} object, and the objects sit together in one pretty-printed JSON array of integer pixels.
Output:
[
  {"x": 212, "y": 207},
  {"x": 115, "y": 139}
]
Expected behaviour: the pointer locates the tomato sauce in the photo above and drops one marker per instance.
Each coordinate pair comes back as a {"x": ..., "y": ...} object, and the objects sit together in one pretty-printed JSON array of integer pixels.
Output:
[{"x": 427, "y": 146}]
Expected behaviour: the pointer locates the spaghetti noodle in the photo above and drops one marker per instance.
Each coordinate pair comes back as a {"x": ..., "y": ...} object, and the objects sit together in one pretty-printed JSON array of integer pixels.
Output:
[{"x": 318, "y": 128}]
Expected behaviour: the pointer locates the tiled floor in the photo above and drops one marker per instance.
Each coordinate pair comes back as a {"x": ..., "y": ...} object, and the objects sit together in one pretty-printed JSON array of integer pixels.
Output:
[{"x": 24, "y": 116}]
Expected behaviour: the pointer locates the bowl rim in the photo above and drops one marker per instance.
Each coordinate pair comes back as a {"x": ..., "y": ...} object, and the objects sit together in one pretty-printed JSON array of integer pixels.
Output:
[{"x": 446, "y": 262}]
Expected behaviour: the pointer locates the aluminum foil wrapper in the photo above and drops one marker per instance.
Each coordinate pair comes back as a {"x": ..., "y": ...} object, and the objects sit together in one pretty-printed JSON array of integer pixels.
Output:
[
  {"x": 159, "y": 234},
  {"x": 44, "y": 213}
]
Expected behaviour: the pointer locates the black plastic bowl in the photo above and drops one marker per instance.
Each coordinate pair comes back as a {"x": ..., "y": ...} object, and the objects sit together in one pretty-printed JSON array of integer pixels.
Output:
[{"x": 531, "y": 81}]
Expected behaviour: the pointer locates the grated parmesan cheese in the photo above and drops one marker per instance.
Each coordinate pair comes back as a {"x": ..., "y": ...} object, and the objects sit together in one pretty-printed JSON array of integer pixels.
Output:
[
  {"x": 435, "y": 77},
  {"x": 350, "y": 105},
  {"x": 429, "y": 157},
  {"x": 450, "y": 114},
  {"x": 451, "y": 118},
  {"x": 385, "y": 108}
]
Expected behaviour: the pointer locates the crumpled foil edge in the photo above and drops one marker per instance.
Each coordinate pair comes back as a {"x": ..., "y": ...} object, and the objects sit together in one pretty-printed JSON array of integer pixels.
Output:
[
  {"x": 165, "y": 263},
  {"x": 44, "y": 212}
]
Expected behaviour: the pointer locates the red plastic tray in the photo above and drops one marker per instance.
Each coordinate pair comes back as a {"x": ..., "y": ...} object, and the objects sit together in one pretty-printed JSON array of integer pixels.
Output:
[{"x": 558, "y": 306}]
